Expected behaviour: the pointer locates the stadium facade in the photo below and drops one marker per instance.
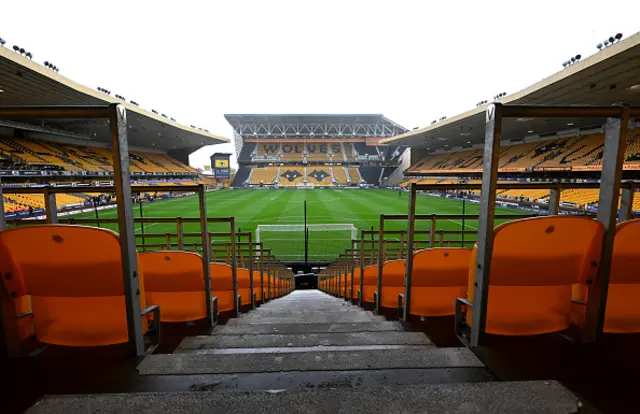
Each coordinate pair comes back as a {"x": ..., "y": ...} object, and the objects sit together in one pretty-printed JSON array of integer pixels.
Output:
[
  {"x": 538, "y": 149},
  {"x": 77, "y": 152},
  {"x": 305, "y": 151}
]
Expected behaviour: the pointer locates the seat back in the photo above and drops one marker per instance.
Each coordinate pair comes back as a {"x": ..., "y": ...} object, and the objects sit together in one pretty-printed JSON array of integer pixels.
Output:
[
  {"x": 623, "y": 307},
  {"x": 534, "y": 265},
  {"x": 222, "y": 286},
  {"x": 370, "y": 283},
  {"x": 73, "y": 275},
  {"x": 257, "y": 284},
  {"x": 393, "y": 273},
  {"x": 244, "y": 284},
  {"x": 439, "y": 276},
  {"x": 175, "y": 281}
]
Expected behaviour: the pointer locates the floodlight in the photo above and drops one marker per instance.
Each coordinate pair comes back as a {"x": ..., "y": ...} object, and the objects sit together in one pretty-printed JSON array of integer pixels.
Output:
[
  {"x": 618, "y": 37},
  {"x": 599, "y": 46},
  {"x": 578, "y": 57},
  {"x": 16, "y": 48},
  {"x": 611, "y": 40}
]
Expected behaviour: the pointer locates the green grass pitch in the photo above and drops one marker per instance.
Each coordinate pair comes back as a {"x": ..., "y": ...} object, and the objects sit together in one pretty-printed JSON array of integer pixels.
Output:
[{"x": 360, "y": 207}]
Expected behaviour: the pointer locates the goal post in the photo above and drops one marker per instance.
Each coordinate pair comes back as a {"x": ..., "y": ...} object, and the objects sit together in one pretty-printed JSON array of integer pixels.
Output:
[{"x": 287, "y": 241}]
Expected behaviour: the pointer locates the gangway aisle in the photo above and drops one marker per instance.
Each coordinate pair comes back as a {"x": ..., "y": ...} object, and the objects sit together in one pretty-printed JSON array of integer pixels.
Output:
[{"x": 312, "y": 352}]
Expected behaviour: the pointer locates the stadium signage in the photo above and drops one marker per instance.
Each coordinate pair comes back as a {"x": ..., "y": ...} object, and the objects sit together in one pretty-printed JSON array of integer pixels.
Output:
[
  {"x": 220, "y": 163},
  {"x": 299, "y": 148}
]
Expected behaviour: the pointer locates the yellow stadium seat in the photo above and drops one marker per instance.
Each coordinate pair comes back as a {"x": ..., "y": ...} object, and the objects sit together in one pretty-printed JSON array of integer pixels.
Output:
[
  {"x": 74, "y": 282},
  {"x": 439, "y": 276},
  {"x": 535, "y": 263}
]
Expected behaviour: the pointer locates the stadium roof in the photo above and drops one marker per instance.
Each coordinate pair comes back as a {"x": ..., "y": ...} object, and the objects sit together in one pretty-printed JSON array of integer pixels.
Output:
[
  {"x": 25, "y": 82},
  {"x": 611, "y": 75},
  {"x": 313, "y": 125}
]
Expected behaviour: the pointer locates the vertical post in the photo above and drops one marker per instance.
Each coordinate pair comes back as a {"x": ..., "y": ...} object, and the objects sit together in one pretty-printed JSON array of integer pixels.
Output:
[
  {"x": 3, "y": 223},
  {"x": 353, "y": 274},
  {"x": 51, "y": 210},
  {"x": 122, "y": 181},
  {"x": 381, "y": 252},
  {"x": 262, "y": 275},
  {"x": 346, "y": 277},
  {"x": 180, "y": 232},
  {"x": 269, "y": 270},
  {"x": 251, "y": 286},
  {"x": 142, "y": 225},
  {"x": 432, "y": 231},
  {"x": 306, "y": 235},
  {"x": 492, "y": 135},
  {"x": 234, "y": 265},
  {"x": 554, "y": 201},
  {"x": 616, "y": 131},
  {"x": 408, "y": 274},
  {"x": 402, "y": 245},
  {"x": 168, "y": 241},
  {"x": 626, "y": 203},
  {"x": 206, "y": 253},
  {"x": 361, "y": 268},
  {"x": 463, "y": 217}
]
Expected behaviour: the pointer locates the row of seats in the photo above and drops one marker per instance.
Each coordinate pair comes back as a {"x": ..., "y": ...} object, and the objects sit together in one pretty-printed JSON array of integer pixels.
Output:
[
  {"x": 67, "y": 284},
  {"x": 78, "y": 158},
  {"x": 560, "y": 153},
  {"x": 541, "y": 272}
]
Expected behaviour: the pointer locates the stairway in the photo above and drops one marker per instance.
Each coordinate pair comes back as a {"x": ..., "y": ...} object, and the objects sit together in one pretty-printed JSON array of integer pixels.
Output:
[{"x": 311, "y": 352}]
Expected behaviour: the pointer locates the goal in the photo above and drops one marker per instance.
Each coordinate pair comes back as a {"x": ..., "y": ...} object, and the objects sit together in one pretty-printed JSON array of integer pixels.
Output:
[{"x": 287, "y": 241}]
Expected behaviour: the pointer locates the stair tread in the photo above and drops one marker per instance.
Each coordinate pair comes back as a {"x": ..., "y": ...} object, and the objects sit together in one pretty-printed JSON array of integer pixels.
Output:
[
  {"x": 301, "y": 340},
  {"x": 426, "y": 357},
  {"x": 507, "y": 397},
  {"x": 293, "y": 328}
]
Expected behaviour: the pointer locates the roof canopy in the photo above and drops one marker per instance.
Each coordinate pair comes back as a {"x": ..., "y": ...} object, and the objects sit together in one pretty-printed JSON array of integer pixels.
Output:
[
  {"x": 308, "y": 125},
  {"x": 25, "y": 82},
  {"x": 608, "y": 77}
]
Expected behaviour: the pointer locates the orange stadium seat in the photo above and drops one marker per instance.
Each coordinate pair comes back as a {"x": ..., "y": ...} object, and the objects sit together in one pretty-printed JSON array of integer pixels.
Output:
[
  {"x": 75, "y": 283},
  {"x": 439, "y": 276},
  {"x": 222, "y": 286},
  {"x": 370, "y": 283},
  {"x": 257, "y": 285},
  {"x": 623, "y": 307},
  {"x": 244, "y": 285},
  {"x": 622, "y": 314},
  {"x": 534, "y": 265},
  {"x": 175, "y": 281},
  {"x": 393, "y": 272}
]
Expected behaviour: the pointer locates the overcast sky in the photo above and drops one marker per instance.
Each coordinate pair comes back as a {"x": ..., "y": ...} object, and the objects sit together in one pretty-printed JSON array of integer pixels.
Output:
[{"x": 413, "y": 61}]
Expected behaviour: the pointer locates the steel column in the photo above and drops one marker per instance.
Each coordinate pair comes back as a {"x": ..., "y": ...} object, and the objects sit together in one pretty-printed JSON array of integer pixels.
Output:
[
  {"x": 51, "y": 210},
  {"x": 3, "y": 223},
  {"x": 234, "y": 266},
  {"x": 180, "y": 231},
  {"x": 126, "y": 229},
  {"x": 626, "y": 203},
  {"x": 492, "y": 133},
  {"x": 408, "y": 274},
  {"x": 554, "y": 201},
  {"x": 360, "y": 300},
  {"x": 206, "y": 253},
  {"x": 616, "y": 131},
  {"x": 381, "y": 252}
]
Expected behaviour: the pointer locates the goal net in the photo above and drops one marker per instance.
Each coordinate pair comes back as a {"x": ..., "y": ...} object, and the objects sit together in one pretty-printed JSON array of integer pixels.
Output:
[{"x": 325, "y": 241}]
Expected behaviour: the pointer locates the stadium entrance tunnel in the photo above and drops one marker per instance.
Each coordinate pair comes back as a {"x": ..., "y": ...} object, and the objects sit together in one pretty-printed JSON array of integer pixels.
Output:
[{"x": 306, "y": 281}]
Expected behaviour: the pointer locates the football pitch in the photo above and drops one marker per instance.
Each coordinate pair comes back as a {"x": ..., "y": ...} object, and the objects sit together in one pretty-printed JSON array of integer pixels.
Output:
[{"x": 252, "y": 207}]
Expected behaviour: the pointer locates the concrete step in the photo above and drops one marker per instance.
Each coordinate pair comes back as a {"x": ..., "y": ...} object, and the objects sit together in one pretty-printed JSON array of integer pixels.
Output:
[
  {"x": 308, "y": 318},
  {"x": 504, "y": 397},
  {"x": 306, "y": 328},
  {"x": 411, "y": 357},
  {"x": 303, "y": 340}
]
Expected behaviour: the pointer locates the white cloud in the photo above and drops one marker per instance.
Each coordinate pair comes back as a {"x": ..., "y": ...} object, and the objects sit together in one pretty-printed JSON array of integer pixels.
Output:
[{"x": 413, "y": 61}]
